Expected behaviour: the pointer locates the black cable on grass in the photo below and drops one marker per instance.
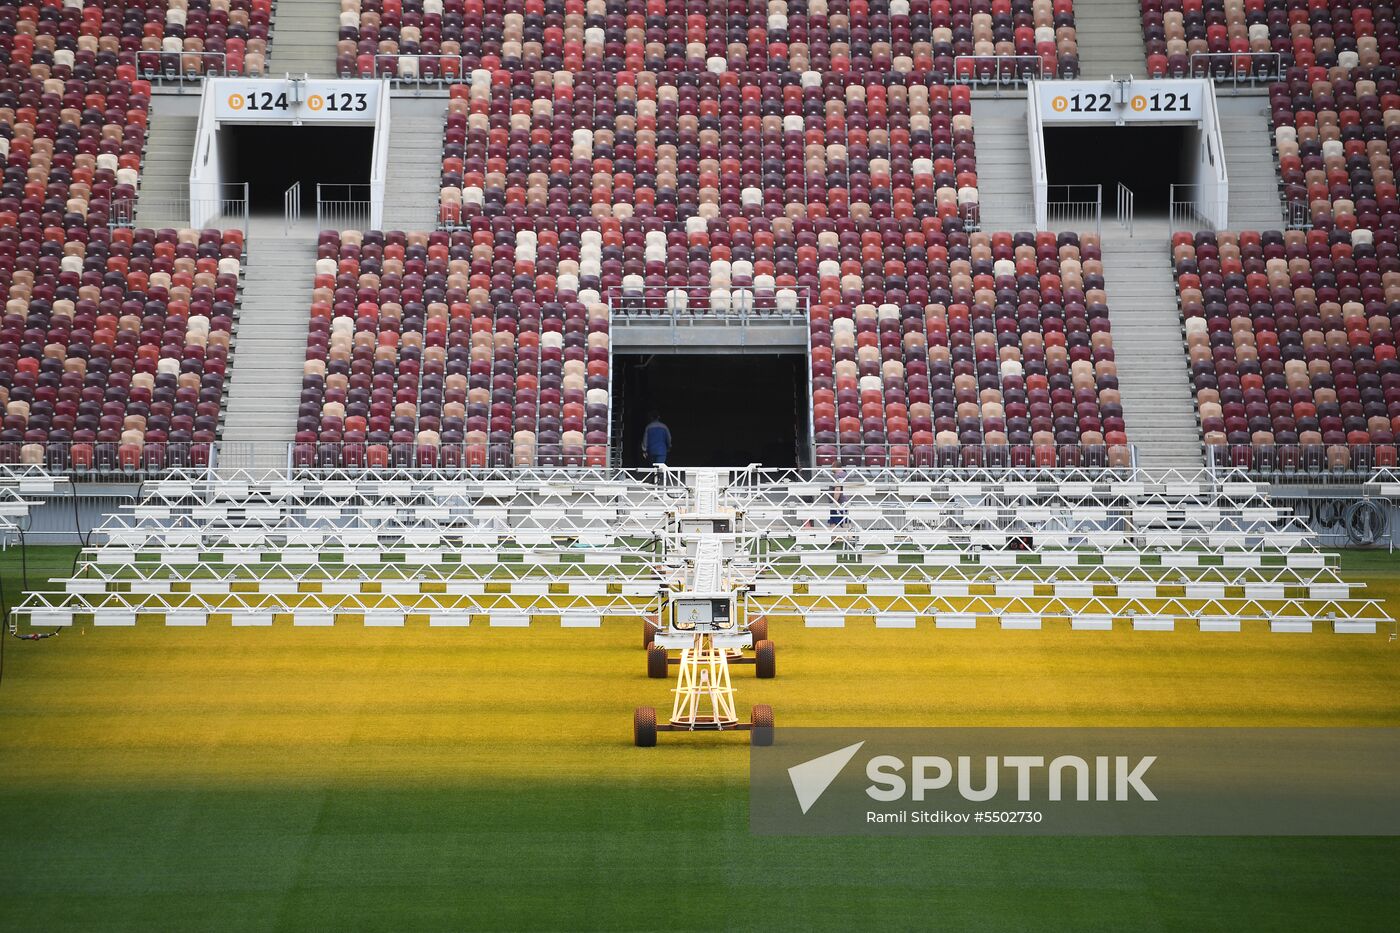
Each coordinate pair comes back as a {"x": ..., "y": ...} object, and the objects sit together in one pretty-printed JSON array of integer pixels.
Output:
[
  {"x": 12, "y": 626},
  {"x": 24, "y": 559},
  {"x": 77, "y": 521}
]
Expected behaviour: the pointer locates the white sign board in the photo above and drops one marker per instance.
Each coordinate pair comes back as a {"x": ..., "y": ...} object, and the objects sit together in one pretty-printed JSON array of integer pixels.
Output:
[
  {"x": 287, "y": 101},
  {"x": 1154, "y": 101}
]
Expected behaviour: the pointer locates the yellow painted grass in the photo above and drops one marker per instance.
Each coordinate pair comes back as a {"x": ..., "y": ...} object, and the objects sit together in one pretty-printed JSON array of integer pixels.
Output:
[{"x": 291, "y": 706}]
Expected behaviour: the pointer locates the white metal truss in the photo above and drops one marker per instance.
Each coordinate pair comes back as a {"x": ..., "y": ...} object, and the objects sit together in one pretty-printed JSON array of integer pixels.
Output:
[
  {"x": 20, "y": 484},
  {"x": 1091, "y": 546}
]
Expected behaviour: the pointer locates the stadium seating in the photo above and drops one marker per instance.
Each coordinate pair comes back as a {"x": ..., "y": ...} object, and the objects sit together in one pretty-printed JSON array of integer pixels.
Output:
[
  {"x": 1292, "y": 349},
  {"x": 114, "y": 344},
  {"x": 974, "y": 349},
  {"x": 710, "y": 146},
  {"x": 107, "y": 40},
  {"x": 918, "y": 38},
  {"x": 1334, "y": 139},
  {"x": 204, "y": 37},
  {"x": 71, "y": 147},
  {"x": 850, "y": 205},
  {"x": 469, "y": 348},
  {"x": 1266, "y": 38}
]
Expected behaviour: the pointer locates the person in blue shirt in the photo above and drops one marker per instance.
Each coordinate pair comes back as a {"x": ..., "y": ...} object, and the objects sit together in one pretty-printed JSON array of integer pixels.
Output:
[{"x": 656, "y": 440}]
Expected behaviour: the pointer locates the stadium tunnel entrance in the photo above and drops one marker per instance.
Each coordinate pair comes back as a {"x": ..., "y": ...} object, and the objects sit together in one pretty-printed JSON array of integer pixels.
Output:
[
  {"x": 724, "y": 410},
  {"x": 1148, "y": 159},
  {"x": 272, "y": 157}
]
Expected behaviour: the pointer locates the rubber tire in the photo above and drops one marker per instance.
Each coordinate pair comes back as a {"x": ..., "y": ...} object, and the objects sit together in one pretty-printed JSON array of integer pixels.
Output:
[
  {"x": 649, "y": 630},
  {"x": 656, "y": 662},
  {"x": 765, "y": 660},
  {"x": 644, "y": 727},
  {"x": 761, "y": 721},
  {"x": 759, "y": 629}
]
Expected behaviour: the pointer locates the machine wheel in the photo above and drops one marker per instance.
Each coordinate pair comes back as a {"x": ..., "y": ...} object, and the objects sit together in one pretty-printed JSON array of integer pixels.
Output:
[
  {"x": 759, "y": 629},
  {"x": 765, "y": 660},
  {"x": 761, "y": 731},
  {"x": 649, "y": 629},
  {"x": 644, "y": 727},
  {"x": 656, "y": 661}
]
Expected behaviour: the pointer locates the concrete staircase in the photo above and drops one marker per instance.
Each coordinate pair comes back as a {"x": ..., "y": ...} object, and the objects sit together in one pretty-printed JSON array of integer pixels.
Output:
[
  {"x": 1249, "y": 162},
  {"x": 164, "y": 190},
  {"x": 304, "y": 34},
  {"x": 415, "y": 164},
  {"x": 270, "y": 345},
  {"x": 1153, "y": 377},
  {"x": 1110, "y": 38},
  {"x": 1003, "y": 163}
]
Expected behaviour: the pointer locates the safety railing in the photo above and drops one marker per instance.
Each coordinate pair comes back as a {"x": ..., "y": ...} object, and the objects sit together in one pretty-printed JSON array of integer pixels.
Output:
[
  {"x": 1125, "y": 207},
  {"x": 227, "y": 208},
  {"x": 998, "y": 211},
  {"x": 1074, "y": 207},
  {"x": 291, "y": 208},
  {"x": 1306, "y": 463},
  {"x": 410, "y": 70},
  {"x": 1235, "y": 68},
  {"x": 446, "y": 455},
  {"x": 1193, "y": 207},
  {"x": 995, "y": 458},
  {"x": 731, "y": 303},
  {"x": 342, "y": 206},
  {"x": 187, "y": 67},
  {"x": 103, "y": 460},
  {"x": 999, "y": 71},
  {"x": 1297, "y": 215},
  {"x": 1077, "y": 208}
]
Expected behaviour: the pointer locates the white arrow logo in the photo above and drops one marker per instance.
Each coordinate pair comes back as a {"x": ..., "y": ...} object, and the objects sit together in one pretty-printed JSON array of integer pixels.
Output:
[{"x": 811, "y": 778}]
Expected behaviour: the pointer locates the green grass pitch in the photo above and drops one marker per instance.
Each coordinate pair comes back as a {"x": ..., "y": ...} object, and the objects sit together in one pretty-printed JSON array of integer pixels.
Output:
[{"x": 339, "y": 779}]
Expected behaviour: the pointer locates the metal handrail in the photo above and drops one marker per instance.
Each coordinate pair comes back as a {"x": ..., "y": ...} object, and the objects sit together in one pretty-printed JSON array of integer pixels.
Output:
[
  {"x": 343, "y": 206},
  {"x": 1236, "y": 68},
  {"x": 1334, "y": 465},
  {"x": 409, "y": 69},
  {"x": 1117, "y": 459},
  {"x": 1297, "y": 215},
  {"x": 1190, "y": 211},
  {"x": 184, "y": 66},
  {"x": 728, "y": 304},
  {"x": 1074, "y": 207},
  {"x": 1126, "y": 200},
  {"x": 291, "y": 207},
  {"x": 1069, "y": 207},
  {"x": 997, "y": 71},
  {"x": 1324, "y": 464},
  {"x": 147, "y": 211}
]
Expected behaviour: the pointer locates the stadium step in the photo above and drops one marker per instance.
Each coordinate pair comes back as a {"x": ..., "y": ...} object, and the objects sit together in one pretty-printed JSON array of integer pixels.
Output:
[
  {"x": 304, "y": 36},
  {"x": 1110, "y": 39},
  {"x": 415, "y": 152},
  {"x": 165, "y": 173},
  {"x": 271, "y": 345},
  {"x": 1149, "y": 347},
  {"x": 1003, "y": 163},
  {"x": 1250, "y": 164}
]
